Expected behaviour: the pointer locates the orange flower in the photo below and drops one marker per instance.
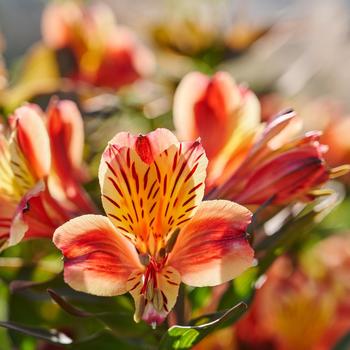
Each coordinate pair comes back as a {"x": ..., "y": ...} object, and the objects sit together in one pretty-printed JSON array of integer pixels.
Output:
[
  {"x": 99, "y": 52},
  {"x": 224, "y": 115},
  {"x": 302, "y": 304},
  {"x": 280, "y": 168},
  {"x": 28, "y": 207},
  {"x": 290, "y": 311},
  {"x": 157, "y": 232}
]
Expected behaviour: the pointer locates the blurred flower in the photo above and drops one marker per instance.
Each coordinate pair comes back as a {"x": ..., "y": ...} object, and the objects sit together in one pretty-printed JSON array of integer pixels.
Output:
[
  {"x": 328, "y": 262},
  {"x": 29, "y": 208},
  {"x": 157, "y": 233},
  {"x": 331, "y": 117},
  {"x": 93, "y": 47},
  {"x": 290, "y": 311},
  {"x": 280, "y": 168},
  {"x": 185, "y": 36},
  {"x": 301, "y": 306},
  {"x": 224, "y": 115}
]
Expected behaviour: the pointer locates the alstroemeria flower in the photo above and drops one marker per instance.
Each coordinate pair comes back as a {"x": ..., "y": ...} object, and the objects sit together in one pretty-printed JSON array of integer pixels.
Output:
[
  {"x": 290, "y": 311},
  {"x": 28, "y": 204},
  {"x": 103, "y": 53},
  {"x": 279, "y": 167},
  {"x": 224, "y": 115},
  {"x": 157, "y": 232}
]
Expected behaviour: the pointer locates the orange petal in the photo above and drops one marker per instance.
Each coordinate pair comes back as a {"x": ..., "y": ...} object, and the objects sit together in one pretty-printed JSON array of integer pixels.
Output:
[
  {"x": 66, "y": 131},
  {"x": 213, "y": 248},
  {"x": 190, "y": 90},
  {"x": 98, "y": 259},
  {"x": 32, "y": 140},
  {"x": 147, "y": 199}
]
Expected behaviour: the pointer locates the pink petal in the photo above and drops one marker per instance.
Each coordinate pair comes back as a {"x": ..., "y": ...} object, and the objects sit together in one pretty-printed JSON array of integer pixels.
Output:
[
  {"x": 98, "y": 259},
  {"x": 213, "y": 248}
]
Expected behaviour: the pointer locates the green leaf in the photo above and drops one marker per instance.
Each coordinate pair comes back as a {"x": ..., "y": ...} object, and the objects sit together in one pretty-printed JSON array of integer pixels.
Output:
[{"x": 184, "y": 337}]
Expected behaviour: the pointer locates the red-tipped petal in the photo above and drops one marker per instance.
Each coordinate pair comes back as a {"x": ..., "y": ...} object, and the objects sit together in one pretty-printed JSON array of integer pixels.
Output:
[
  {"x": 37, "y": 216},
  {"x": 33, "y": 140},
  {"x": 98, "y": 259},
  {"x": 213, "y": 248},
  {"x": 146, "y": 146}
]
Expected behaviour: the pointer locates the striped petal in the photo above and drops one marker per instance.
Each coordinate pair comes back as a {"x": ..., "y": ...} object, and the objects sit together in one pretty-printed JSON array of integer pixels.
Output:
[
  {"x": 9, "y": 187},
  {"x": 213, "y": 248},
  {"x": 98, "y": 258},
  {"x": 147, "y": 147},
  {"x": 31, "y": 139},
  {"x": 148, "y": 196},
  {"x": 154, "y": 296},
  {"x": 7, "y": 210}
]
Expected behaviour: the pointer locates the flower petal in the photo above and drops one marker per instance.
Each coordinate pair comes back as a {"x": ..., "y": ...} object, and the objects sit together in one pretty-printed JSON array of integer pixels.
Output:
[
  {"x": 7, "y": 210},
  {"x": 213, "y": 248},
  {"x": 98, "y": 259},
  {"x": 285, "y": 177},
  {"x": 153, "y": 304},
  {"x": 32, "y": 140},
  {"x": 37, "y": 215},
  {"x": 148, "y": 146},
  {"x": 148, "y": 201},
  {"x": 66, "y": 131},
  {"x": 8, "y": 184}
]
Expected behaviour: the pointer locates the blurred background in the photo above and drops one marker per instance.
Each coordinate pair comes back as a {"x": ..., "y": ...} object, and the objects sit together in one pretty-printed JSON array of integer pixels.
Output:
[{"x": 306, "y": 51}]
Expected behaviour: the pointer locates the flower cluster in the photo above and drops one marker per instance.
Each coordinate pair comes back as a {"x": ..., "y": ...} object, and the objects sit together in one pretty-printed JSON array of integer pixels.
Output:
[{"x": 218, "y": 188}]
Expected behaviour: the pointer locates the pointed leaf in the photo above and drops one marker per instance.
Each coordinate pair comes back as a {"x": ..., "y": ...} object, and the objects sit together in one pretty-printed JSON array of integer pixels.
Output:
[{"x": 185, "y": 337}]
